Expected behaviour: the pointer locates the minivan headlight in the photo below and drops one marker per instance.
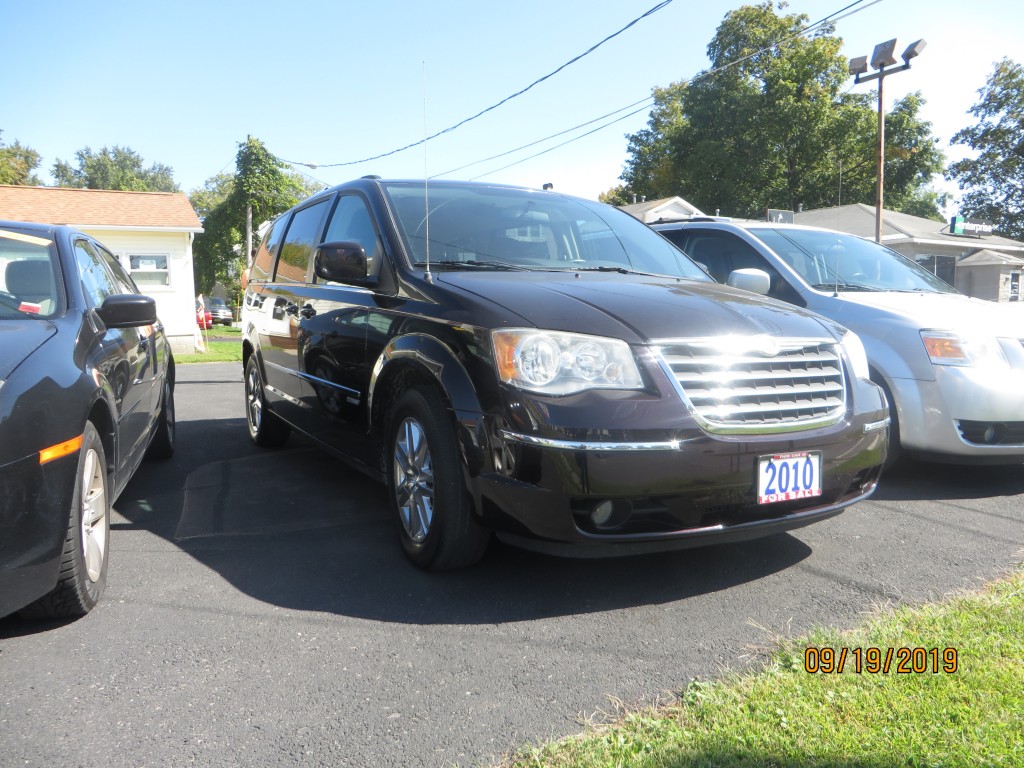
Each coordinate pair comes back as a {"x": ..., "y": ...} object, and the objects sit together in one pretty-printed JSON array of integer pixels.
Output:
[
  {"x": 856, "y": 354},
  {"x": 951, "y": 348},
  {"x": 559, "y": 363}
]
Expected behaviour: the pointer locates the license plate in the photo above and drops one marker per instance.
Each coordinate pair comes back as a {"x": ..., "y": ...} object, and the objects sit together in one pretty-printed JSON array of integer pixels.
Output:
[{"x": 787, "y": 476}]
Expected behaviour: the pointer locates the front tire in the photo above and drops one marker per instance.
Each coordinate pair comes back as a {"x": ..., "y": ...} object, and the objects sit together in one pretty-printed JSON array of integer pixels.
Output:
[
  {"x": 895, "y": 451},
  {"x": 265, "y": 429},
  {"x": 83, "y": 566},
  {"x": 429, "y": 500}
]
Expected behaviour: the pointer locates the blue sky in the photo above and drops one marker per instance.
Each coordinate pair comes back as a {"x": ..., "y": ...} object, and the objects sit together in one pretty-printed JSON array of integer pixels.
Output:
[{"x": 320, "y": 82}]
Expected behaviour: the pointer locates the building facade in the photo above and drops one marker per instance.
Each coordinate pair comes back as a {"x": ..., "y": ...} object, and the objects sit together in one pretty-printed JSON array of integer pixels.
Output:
[{"x": 151, "y": 233}]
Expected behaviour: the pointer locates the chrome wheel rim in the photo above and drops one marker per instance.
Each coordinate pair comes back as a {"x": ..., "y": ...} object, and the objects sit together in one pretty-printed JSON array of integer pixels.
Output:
[
  {"x": 254, "y": 404},
  {"x": 414, "y": 480},
  {"x": 94, "y": 514}
]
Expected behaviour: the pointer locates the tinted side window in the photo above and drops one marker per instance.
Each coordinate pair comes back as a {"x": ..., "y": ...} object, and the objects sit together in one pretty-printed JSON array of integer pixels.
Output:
[
  {"x": 297, "y": 248},
  {"x": 722, "y": 252},
  {"x": 351, "y": 221},
  {"x": 263, "y": 262},
  {"x": 97, "y": 282},
  {"x": 124, "y": 281}
]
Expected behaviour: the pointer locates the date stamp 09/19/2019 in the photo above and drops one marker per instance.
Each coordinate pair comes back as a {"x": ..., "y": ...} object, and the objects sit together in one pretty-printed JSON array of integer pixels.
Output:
[{"x": 873, "y": 660}]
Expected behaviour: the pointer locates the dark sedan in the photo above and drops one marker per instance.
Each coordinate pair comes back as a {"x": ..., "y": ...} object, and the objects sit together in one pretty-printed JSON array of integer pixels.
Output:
[
  {"x": 220, "y": 313},
  {"x": 86, "y": 391},
  {"x": 550, "y": 369}
]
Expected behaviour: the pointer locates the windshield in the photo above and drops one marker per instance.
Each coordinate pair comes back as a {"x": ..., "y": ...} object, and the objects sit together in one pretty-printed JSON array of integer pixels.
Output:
[
  {"x": 830, "y": 260},
  {"x": 28, "y": 287},
  {"x": 481, "y": 227}
]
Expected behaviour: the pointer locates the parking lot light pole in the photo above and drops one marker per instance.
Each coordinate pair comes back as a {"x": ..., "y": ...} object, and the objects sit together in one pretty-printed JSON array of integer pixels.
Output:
[{"x": 883, "y": 61}]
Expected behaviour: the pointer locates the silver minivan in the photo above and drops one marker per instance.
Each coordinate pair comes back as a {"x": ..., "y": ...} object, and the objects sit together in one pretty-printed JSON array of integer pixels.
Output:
[{"x": 952, "y": 366}]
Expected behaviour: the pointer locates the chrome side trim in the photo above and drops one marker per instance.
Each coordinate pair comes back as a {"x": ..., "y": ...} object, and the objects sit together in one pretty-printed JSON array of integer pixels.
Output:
[
  {"x": 334, "y": 385},
  {"x": 588, "y": 445},
  {"x": 874, "y": 426}
]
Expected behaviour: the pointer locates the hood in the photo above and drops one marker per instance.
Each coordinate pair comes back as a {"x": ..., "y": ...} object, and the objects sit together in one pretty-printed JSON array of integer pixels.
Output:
[
  {"x": 18, "y": 340},
  {"x": 636, "y": 308},
  {"x": 938, "y": 311}
]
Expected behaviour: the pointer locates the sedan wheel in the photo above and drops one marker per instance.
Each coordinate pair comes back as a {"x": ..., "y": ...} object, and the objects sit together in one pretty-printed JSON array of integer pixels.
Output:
[
  {"x": 162, "y": 445},
  {"x": 83, "y": 567}
]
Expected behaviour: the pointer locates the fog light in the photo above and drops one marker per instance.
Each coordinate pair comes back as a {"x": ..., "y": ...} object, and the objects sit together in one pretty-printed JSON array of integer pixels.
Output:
[
  {"x": 990, "y": 434},
  {"x": 610, "y": 513},
  {"x": 603, "y": 513}
]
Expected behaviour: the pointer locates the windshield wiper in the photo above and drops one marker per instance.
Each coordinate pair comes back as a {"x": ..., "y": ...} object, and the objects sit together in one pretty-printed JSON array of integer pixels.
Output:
[
  {"x": 474, "y": 264},
  {"x": 620, "y": 270},
  {"x": 846, "y": 287}
]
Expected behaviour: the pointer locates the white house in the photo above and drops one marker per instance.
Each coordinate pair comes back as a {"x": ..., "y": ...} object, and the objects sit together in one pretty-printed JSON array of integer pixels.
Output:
[
  {"x": 664, "y": 209},
  {"x": 150, "y": 232}
]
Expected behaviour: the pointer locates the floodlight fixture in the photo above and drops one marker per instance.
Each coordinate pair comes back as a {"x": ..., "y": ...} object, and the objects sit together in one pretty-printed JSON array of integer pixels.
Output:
[
  {"x": 913, "y": 51},
  {"x": 858, "y": 65},
  {"x": 883, "y": 60},
  {"x": 883, "y": 55}
]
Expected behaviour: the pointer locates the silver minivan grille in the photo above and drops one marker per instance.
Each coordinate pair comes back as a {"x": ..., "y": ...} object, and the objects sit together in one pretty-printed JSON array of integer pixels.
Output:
[{"x": 760, "y": 383}]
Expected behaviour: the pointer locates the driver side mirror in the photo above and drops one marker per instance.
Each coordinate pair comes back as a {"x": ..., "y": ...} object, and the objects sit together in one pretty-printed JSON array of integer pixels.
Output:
[
  {"x": 127, "y": 310},
  {"x": 750, "y": 279},
  {"x": 343, "y": 261}
]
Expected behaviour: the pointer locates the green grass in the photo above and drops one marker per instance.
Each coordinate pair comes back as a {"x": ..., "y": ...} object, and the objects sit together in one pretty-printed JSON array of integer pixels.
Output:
[
  {"x": 229, "y": 351},
  {"x": 783, "y": 716}
]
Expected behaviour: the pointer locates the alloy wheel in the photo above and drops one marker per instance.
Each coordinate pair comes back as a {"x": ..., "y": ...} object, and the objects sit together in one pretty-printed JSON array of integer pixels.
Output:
[
  {"x": 94, "y": 514},
  {"x": 414, "y": 480}
]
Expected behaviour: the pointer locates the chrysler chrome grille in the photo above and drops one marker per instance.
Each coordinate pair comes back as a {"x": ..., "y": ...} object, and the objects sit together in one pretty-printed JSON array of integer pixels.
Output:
[{"x": 760, "y": 383}]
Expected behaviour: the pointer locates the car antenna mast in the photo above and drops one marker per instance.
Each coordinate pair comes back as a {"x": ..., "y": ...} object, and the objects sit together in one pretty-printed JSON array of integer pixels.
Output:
[{"x": 426, "y": 179}]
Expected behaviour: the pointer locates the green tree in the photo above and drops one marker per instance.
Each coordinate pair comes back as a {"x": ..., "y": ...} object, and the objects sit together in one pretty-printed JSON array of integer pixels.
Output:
[
  {"x": 260, "y": 181},
  {"x": 216, "y": 252},
  {"x": 17, "y": 163},
  {"x": 994, "y": 180},
  {"x": 769, "y": 126},
  {"x": 119, "y": 168}
]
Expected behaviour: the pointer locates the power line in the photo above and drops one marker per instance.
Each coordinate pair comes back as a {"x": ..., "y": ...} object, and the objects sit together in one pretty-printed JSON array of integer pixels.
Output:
[
  {"x": 569, "y": 141},
  {"x": 459, "y": 124},
  {"x": 645, "y": 101},
  {"x": 698, "y": 76}
]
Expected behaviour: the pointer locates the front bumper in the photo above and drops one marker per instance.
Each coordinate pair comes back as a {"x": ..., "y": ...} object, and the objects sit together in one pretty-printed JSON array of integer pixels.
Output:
[
  {"x": 692, "y": 492},
  {"x": 964, "y": 414}
]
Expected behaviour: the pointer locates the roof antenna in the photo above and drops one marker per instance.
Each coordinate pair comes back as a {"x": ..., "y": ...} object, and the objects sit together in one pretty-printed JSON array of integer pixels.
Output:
[
  {"x": 426, "y": 195},
  {"x": 836, "y": 294}
]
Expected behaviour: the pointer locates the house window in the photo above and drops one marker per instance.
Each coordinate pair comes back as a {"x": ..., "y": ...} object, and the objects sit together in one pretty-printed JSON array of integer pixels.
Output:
[{"x": 149, "y": 269}]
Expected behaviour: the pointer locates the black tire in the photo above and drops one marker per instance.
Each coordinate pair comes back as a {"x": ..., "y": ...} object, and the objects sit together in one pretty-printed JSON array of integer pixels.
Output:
[
  {"x": 265, "y": 429},
  {"x": 83, "y": 565},
  {"x": 428, "y": 498},
  {"x": 895, "y": 449},
  {"x": 163, "y": 442}
]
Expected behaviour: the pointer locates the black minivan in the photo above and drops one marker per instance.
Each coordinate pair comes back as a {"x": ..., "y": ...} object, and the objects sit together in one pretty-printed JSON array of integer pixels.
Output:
[{"x": 547, "y": 368}]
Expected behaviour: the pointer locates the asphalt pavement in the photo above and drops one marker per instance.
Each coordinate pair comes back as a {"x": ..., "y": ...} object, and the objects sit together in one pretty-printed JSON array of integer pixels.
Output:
[{"x": 259, "y": 612}]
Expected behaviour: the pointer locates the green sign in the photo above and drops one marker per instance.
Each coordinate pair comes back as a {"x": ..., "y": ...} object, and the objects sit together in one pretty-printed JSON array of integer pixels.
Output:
[{"x": 959, "y": 225}]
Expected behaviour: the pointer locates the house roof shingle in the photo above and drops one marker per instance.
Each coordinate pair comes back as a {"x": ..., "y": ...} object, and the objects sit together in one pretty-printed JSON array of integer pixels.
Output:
[{"x": 99, "y": 208}]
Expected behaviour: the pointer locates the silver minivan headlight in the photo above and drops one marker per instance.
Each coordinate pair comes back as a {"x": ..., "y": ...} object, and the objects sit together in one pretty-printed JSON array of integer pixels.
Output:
[
  {"x": 856, "y": 354},
  {"x": 951, "y": 348}
]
